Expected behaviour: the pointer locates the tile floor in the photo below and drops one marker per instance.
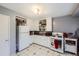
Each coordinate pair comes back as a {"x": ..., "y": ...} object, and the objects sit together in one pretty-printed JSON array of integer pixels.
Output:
[{"x": 37, "y": 50}]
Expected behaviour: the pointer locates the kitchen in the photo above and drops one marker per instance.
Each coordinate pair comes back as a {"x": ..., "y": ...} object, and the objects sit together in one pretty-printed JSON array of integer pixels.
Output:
[
  {"x": 54, "y": 33},
  {"x": 46, "y": 37}
]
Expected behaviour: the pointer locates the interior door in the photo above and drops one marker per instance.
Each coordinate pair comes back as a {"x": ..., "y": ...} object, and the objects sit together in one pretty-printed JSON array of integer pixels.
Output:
[{"x": 4, "y": 35}]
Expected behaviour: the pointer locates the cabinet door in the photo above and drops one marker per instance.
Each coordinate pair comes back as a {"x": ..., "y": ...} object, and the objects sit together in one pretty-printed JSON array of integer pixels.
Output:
[
  {"x": 48, "y": 43},
  {"x": 45, "y": 41},
  {"x": 36, "y": 39},
  {"x": 42, "y": 40},
  {"x": 4, "y": 35},
  {"x": 30, "y": 39}
]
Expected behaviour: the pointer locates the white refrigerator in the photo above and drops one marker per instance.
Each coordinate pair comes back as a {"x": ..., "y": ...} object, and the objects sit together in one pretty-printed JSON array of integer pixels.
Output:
[{"x": 24, "y": 38}]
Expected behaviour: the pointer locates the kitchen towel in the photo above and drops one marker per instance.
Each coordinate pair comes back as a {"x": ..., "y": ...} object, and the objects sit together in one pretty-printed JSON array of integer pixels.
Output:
[{"x": 56, "y": 43}]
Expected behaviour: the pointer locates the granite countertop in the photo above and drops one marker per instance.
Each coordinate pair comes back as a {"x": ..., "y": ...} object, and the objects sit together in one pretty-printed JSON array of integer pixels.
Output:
[{"x": 41, "y": 33}]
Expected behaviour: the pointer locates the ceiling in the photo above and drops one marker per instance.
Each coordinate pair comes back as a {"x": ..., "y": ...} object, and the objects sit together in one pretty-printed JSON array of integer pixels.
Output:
[{"x": 46, "y": 9}]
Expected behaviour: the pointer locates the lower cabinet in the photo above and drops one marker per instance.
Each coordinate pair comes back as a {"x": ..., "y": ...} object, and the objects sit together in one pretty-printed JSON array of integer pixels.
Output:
[
  {"x": 45, "y": 41},
  {"x": 42, "y": 40},
  {"x": 35, "y": 39}
]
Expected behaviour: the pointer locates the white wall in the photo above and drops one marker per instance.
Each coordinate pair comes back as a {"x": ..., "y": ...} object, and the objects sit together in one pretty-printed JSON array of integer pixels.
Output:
[
  {"x": 36, "y": 25},
  {"x": 48, "y": 25},
  {"x": 65, "y": 24},
  {"x": 30, "y": 24},
  {"x": 78, "y": 22}
]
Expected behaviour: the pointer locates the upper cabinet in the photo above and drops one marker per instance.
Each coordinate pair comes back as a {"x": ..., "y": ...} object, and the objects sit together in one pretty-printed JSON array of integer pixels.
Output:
[
  {"x": 46, "y": 24},
  {"x": 20, "y": 21}
]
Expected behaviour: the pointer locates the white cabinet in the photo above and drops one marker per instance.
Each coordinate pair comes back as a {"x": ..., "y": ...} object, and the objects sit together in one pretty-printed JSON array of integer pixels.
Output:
[
  {"x": 42, "y": 40},
  {"x": 45, "y": 41},
  {"x": 36, "y": 39}
]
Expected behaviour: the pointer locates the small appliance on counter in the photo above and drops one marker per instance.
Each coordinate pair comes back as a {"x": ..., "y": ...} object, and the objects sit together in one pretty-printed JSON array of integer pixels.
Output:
[{"x": 57, "y": 41}]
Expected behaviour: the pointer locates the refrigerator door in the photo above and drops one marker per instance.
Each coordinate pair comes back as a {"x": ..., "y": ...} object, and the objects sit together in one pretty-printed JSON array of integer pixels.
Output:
[{"x": 23, "y": 41}]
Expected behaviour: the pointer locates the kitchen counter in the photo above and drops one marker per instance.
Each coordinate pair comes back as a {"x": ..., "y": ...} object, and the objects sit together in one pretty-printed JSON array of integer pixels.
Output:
[{"x": 41, "y": 33}]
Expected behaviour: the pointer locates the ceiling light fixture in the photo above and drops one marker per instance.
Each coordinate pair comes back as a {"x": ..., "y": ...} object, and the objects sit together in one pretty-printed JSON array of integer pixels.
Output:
[{"x": 37, "y": 11}]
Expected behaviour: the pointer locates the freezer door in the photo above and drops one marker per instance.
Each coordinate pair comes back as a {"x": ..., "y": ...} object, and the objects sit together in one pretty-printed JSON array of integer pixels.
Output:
[{"x": 23, "y": 29}]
